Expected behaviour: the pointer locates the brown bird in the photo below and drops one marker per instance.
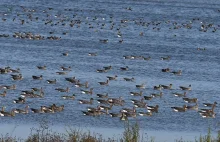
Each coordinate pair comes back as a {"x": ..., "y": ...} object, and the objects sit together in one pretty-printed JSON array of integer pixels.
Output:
[
  {"x": 185, "y": 88},
  {"x": 104, "y": 83},
  {"x": 37, "y": 77},
  {"x": 62, "y": 90},
  {"x": 86, "y": 102},
  {"x": 180, "y": 109}
]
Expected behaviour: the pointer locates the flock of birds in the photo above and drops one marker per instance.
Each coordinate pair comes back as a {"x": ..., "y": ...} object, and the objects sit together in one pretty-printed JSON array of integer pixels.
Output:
[
  {"x": 105, "y": 103},
  {"x": 29, "y": 16}
]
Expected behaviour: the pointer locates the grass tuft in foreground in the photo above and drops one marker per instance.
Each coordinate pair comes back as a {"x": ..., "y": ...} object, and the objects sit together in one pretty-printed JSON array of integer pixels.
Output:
[{"x": 131, "y": 133}]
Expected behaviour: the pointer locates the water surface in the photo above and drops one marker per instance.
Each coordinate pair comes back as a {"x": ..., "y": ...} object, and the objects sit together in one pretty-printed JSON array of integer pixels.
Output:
[{"x": 200, "y": 68}]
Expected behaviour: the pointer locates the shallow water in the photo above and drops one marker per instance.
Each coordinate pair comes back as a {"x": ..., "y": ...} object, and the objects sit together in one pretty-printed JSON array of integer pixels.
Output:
[{"x": 200, "y": 68}]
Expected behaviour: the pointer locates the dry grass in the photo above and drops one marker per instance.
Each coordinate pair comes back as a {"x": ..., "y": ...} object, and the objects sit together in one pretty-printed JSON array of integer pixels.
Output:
[{"x": 131, "y": 134}]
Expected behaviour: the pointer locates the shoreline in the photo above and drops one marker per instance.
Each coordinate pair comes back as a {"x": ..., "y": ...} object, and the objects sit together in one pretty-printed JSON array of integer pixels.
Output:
[{"x": 24, "y": 131}]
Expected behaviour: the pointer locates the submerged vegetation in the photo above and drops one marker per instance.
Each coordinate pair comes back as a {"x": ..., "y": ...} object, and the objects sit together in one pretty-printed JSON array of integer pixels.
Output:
[{"x": 131, "y": 133}]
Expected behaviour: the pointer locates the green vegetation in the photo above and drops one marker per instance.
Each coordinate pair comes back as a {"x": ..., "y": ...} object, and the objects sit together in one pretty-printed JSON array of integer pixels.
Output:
[{"x": 131, "y": 134}]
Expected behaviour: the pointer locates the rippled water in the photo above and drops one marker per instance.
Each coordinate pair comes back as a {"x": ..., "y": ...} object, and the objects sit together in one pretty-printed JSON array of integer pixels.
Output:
[{"x": 200, "y": 68}]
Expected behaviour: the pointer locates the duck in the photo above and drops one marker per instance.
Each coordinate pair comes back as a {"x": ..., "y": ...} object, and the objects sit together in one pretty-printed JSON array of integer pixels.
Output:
[
  {"x": 165, "y": 58},
  {"x": 194, "y": 107},
  {"x": 180, "y": 94},
  {"x": 123, "y": 117},
  {"x": 3, "y": 71},
  {"x": 190, "y": 100},
  {"x": 179, "y": 72},
  {"x": 153, "y": 108},
  {"x": 16, "y": 77},
  {"x": 103, "y": 102},
  {"x": 128, "y": 110},
  {"x": 65, "y": 68},
  {"x": 148, "y": 97},
  {"x": 158, "y": 87},
  {"x": 12, "y": 87},
  {"x": 86, "y": 102},
  {"x": 167, "y": 87},
  {"x": 136, "y": 93},
  {"x": 138, "y": 57},
  {"x": 140, "y": 105},
  {"x": 69, "y": 97},
  {"x": 141, "y": 33},
  {"x": 112, "y": 77},
  {"x": 180, "y": 109},
  {"x": 36, "y": 89},
  {"x": 128, "y": 57},
  {"x": 104, "y": 40},
  {"x": 42, "y": 67},
  {"x": 87, "y": 91},
  {"x": 137, "y": 101},
  {"x": 52, "y": 81},
  {"x": 86, "y": 84},
  {"x": 121, "y": 41},
  {"x": 147, "y": 58},
  {"x": 57, "y": 108},
  {"x": 157, "y": 95},
  {"x": 106, "y": 107},
  {"x": 8, "y": 114},
  {"x": 37, "y": 77},
  {"x": 62, "y": 90},
  {"x": 32, "y": 95},
  {"x": 40, "y": 95},
  {"x": 90, "y": 113},
  {"x": 37, "y": 110},
  {"x": 209, "y": 110},
  {"x": 209, "y": 104},
  {"x": 102, "y": 95},
  {"x": 186, "y": 88},
  {"x": 129, "y": 79},
  {"x": 3, "y": 94},
  {"x": 116, "y": 101},
  {"x": 199, "y": 48},
  {"x": 65, "y": 54},
  {"x": 72, "y": 79},
  {"x": 61, "y": 73},
  {"x": 94, "y": 109},
  {"x": 25, "y": 111},
  {"x": 107, "y": 67},
  {"x": 104, "y": 83},
  {"x": 208, "y": 115},
  {"x": 141, "y": 86},
  {"x": 92, "y": 54},
  {"x": 124, "y": 68},
  {"x": 93, "y": 113},
  {"x": 145, "y": 113},
  {"x": 19, "y": 100},
  {"x": 23, "y": 95},
  {"x": 15, "y": 70},
  {"x": 101, "y": 70},
  {"x": 27, "y": 92},
  {"x": 115, "y": 114},
  {"x": 51, "y": 110},
  {"x": 130, "y": 114},
  {"x": 165, "y": 70}
]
